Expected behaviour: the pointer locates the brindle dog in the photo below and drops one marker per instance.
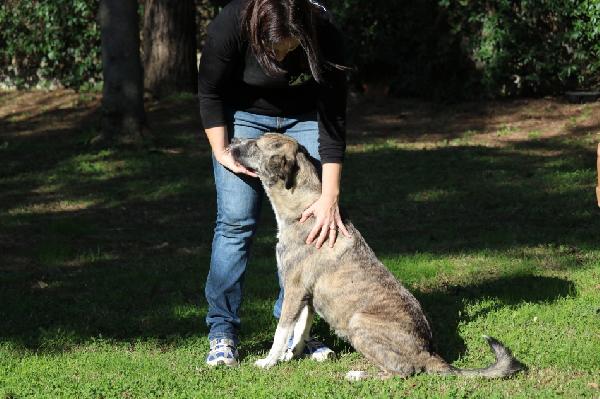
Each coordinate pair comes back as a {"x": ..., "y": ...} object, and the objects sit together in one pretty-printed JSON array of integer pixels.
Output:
[{"x": 347, "y": 285}]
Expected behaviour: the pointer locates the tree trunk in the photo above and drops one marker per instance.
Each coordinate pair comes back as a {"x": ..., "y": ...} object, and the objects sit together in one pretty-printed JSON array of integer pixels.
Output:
[
  {"x": 170, "y": 47},
  {"x": 123, "y": 115}
]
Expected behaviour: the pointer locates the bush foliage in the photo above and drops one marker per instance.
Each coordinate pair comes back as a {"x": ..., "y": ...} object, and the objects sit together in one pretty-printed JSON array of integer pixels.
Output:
[
  {"x": 530, "y": 46},
  {"x": 57, "y": 42},
  {"x": 51, "y": 41},
  {"x": 441, "y": 48},
  {"x": 430, "y": 48}
]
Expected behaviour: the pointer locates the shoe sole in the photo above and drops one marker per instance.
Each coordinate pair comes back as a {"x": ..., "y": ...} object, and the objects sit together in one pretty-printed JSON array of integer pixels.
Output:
[
  {"x": 323, "y": 356},
  {"x": 222, "y": 362}
]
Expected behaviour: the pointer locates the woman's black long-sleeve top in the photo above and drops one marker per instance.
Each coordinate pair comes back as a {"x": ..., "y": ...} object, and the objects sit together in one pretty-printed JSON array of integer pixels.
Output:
[{"x": 230, "y": 77}]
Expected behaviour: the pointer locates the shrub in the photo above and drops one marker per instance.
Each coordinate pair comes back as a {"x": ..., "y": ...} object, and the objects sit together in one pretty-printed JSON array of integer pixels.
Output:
[
  {"x": 431, "y": 48},
  {"x": 463, "y": 48},
  {"x": 49, "y": 42},
  {"x": 531, "y": 47},
  {"x": 406, "y": 43}
]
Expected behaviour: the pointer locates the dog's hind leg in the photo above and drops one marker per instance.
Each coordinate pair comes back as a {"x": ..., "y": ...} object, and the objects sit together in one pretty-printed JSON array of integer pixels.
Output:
[
  {"x": 301, "y": 333},
  {"x": 386, "y": 346},
  {"x": 293, "y": 303},
  {"x": 389, "y": 360}
]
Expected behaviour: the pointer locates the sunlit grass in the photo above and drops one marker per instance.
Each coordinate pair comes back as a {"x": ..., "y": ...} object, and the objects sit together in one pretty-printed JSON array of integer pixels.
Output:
[
  {"x": 51, "y": 207},
  {"x": 106, "y": 254}
]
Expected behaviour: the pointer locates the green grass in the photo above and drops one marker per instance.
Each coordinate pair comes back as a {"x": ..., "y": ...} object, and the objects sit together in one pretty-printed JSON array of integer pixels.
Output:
[
  {"x": 534, "y": 134},
  {"x": 505, "y": 130},
  {"x": 104, "y": 253}
]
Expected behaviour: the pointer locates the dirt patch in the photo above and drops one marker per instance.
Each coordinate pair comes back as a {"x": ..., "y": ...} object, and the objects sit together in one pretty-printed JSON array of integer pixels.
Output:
[
  {"x": 492, "y": 123},
  {"x": 33, "y": 113}
]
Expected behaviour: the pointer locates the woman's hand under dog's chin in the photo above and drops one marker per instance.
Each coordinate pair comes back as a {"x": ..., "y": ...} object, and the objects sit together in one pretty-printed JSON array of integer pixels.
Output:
[
  {"x": 326, "y": 212},
  {"x": 225, "y": 158}
]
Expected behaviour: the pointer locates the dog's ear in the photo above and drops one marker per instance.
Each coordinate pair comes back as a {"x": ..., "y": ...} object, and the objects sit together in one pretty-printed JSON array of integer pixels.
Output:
[
  {"x": 290, "y": 172},
  {"x": 281, "y": 168}
]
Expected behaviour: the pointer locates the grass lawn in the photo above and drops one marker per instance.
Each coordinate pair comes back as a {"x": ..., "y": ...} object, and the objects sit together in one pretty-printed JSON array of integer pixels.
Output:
[{"x": 485, "y": 211}]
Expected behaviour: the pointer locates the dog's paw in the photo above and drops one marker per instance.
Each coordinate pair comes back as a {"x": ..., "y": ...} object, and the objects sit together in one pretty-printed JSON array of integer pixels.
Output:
[
  {"x": 265, "y": 363},
  {"x": 356, "y": 375},
  {"x": 287, "y": 356}
]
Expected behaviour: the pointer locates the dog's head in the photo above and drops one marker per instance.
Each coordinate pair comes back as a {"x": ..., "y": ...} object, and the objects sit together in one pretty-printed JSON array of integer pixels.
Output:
[{"x": 272, "y": 156}]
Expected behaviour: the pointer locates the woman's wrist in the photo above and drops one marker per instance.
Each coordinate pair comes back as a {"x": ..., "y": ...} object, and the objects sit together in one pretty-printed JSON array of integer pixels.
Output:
[
  {"x": 330, "y": 196},
  {"x": 218, "y": 140},
  {"x": 219, "y": 153},
  {"x": 331, "y": 181}
]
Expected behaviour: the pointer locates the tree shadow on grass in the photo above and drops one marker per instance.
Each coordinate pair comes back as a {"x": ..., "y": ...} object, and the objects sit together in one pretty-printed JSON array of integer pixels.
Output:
[
  {"x": 445, "y": 307},
  {"x": 440, "y": 201},
  {"x": 456, "y": 199},
  {"x": 121, "y": 300},
  {"x": 161, "y": 299}
]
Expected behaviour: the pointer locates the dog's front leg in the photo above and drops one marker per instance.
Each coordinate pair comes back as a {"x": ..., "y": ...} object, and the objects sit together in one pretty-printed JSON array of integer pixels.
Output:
[
  {"x": 282, "y": 335},
  {"x": 301, "y": 333},
  {"x": 293, "y": 303}
]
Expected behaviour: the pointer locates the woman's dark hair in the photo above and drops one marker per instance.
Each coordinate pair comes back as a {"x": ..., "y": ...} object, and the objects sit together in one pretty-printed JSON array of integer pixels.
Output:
[{"x": 271, "y": 21}]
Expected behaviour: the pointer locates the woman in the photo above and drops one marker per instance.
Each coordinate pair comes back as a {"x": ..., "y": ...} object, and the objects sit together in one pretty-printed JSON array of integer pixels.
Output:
[{"x": 267, "y": 66}]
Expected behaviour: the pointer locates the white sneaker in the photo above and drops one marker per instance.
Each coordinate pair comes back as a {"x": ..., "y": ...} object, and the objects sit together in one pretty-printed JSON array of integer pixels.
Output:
[
  {"x": 223, "y": 351},
  {"x": 316, "y": 350}
]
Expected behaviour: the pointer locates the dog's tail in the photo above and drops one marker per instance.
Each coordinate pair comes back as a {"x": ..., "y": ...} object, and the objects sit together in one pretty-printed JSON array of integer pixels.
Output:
[{"x": 504, "y": 366}]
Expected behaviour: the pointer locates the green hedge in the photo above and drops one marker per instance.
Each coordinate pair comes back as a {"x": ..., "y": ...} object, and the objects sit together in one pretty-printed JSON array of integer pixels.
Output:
[
  {"x": 430, "y": 48},
  {"x": 57, "y": 42},
  {"x": 49, "y": 42},
  {"x": 406, "y": 43},
  {"x": 530, "y": 47},
  {"x": 468, "y": 48}
]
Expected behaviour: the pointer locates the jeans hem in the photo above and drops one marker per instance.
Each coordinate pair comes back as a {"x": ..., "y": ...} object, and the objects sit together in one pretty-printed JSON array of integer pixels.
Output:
[{"x": 221, "y": 335}]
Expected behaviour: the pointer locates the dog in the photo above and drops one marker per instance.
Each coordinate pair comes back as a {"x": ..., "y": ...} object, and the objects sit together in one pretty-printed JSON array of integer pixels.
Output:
[{"x": 345, "y": 284}]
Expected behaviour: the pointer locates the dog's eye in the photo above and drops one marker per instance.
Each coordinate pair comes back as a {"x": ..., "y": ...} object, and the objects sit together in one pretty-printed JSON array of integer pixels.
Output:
[{"x": 277, "y": 145}]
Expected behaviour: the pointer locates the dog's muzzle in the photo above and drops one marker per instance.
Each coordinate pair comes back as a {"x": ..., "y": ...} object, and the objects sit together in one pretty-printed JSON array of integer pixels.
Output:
[
  {"x": 243, "y": 150},
  {"x": 234, "y": 147}
]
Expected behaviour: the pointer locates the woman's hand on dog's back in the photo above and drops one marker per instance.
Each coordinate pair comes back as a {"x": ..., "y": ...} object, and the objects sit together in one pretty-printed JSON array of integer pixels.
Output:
[{"x": 326, "y": 209}]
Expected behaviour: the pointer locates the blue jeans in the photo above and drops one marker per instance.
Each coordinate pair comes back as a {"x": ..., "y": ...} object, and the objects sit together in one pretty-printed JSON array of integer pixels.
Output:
[{"x": 239, "y": 199}]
